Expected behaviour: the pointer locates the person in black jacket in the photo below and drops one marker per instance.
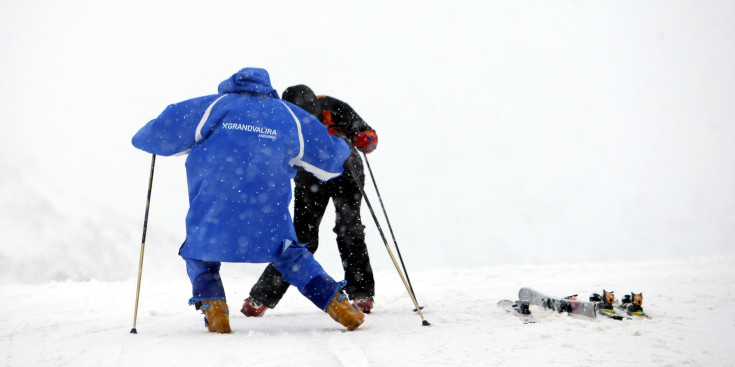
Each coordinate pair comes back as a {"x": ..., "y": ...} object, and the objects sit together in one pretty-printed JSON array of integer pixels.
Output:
[{"x": 311, "y": 197}]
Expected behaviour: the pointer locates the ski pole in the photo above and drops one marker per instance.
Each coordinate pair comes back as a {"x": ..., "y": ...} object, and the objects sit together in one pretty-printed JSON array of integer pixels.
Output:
[
  {"x": 142, "y": 244},
  {"x": 390, "y": 228},
  {"x": 424, "y": 322}
]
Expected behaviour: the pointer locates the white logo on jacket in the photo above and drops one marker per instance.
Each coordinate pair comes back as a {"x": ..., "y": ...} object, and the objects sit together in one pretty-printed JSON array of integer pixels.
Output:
[{"x": 263, "y": 132}]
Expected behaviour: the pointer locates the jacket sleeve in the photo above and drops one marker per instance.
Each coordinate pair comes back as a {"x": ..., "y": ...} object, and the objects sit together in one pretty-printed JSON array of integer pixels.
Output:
[
  {"x": 344, "y": 116},
  {"x": 321, "y": 154},
  {"x": 177, "y": 129}
]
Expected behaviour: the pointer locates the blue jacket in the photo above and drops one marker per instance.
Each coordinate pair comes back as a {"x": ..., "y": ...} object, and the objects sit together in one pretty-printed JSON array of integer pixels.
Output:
[{"x": 243, "y": 145}]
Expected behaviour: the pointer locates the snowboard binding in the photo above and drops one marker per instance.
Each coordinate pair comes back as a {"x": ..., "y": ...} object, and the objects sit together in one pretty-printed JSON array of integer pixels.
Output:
[
  {"x": 605, "y": 304},
  {"x": 633, "y": 299},
  {"x": 521, "y": 307},
  {"x": 606, "y": 300},
  {"x": 565, "y": 304},
  {"x": 633, "y": 305}
]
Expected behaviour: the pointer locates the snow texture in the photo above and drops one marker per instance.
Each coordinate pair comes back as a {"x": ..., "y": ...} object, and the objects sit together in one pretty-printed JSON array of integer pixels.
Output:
[{"x": 72, "y": 323}]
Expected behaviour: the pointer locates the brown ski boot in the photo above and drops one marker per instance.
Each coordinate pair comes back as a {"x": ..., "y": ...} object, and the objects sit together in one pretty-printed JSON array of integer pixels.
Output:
[
  {"x": 216, "y": 316},
  {"x": 344, "y": 312}
]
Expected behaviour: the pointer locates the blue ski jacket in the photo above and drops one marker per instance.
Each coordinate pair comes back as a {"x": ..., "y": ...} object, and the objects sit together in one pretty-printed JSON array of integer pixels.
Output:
[{"x": 243, "y": 145}]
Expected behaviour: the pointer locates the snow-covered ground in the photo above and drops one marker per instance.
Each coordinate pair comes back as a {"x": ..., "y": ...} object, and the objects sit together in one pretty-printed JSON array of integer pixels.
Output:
[{"x": 87, "y": 323}]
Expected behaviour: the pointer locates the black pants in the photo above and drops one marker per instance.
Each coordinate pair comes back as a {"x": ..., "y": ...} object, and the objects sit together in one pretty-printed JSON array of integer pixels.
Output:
[{"x": 311, "y": 197}]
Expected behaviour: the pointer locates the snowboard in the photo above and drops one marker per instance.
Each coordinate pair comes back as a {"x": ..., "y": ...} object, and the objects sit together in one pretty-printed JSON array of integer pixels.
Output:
[
  {"x": 518, "y": 308},
  {"x": 568, "y": 305}
]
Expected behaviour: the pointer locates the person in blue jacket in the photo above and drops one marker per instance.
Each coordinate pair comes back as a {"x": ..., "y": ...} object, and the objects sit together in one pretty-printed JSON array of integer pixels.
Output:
[{"x": 243, "y": 146}]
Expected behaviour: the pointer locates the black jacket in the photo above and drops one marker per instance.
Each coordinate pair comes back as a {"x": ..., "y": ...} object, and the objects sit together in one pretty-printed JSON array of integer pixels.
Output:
[{"x": 339, "y": 118}]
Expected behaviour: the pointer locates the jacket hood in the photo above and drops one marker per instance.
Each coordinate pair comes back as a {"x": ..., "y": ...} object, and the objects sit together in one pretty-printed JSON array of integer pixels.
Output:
[{"x": 248, "y": 80}]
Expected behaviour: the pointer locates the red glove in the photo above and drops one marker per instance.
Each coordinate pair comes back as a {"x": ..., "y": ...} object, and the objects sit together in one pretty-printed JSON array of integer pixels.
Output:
[{"x": 366, "y": 141}]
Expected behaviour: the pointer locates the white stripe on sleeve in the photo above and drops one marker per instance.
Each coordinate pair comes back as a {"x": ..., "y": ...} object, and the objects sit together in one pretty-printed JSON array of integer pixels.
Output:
[
  {"x": 301, "y": 136},
  {"x": 198, "y": 135},
  {"x": 297, "y": 161}
]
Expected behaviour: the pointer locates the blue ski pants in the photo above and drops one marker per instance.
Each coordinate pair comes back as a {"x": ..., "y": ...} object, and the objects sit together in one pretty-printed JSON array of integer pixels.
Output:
[{"x": 296, "y": 263}]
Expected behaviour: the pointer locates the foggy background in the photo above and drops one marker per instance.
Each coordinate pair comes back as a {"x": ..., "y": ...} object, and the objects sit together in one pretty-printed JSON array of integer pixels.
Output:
[{"x": 521, "y": 132}]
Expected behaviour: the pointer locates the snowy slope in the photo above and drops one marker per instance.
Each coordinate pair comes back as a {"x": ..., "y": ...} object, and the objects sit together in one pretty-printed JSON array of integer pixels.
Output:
[{"x": 87, "y": 323}]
